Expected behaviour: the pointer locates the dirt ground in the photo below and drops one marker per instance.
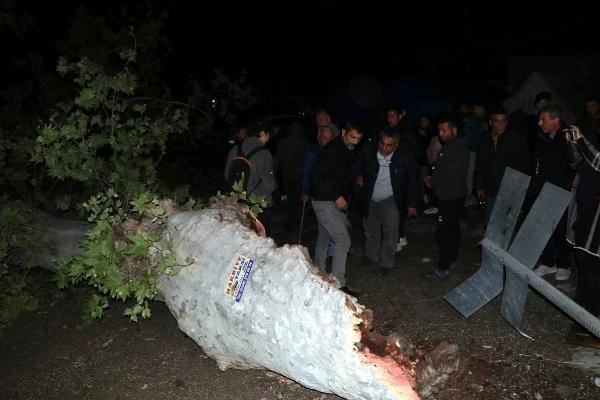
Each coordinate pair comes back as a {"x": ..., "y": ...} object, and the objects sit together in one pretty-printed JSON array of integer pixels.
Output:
[{"x": 53, "y": 354}]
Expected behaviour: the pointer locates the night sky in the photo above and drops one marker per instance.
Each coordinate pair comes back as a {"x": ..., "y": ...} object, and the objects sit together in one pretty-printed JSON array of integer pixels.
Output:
[
  {"x": 299, "y": 43},
  {"x": 303, "y": 47}
]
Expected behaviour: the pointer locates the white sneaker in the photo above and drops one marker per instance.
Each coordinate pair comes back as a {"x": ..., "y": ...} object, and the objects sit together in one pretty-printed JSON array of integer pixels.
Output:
[
  {"x": 562, "y": 274},
  {"x": 545, "y": 270},
  {"x": 431, "y": 211},
  {"x": 402, "y": 241}
]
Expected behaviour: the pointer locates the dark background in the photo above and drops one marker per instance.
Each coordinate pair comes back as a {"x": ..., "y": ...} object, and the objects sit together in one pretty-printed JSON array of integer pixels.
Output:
[
  {"x": 301, "y": 46},
  {"x": 304, "y": 50}
]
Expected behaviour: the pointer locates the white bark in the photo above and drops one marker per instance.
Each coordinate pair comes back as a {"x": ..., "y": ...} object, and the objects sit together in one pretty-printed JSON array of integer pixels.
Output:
[{"x": 290, "y": 319}]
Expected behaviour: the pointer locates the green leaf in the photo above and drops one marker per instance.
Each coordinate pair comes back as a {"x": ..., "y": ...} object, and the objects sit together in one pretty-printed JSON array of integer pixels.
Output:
[
  {"x": 154, "y": 237},
  {"x": 113, "y": 280},
  {"x": 86, "y": 99},
  {"x": 122, "y": 292},
  {"x": 139, "y": 204},
  {"x": 139, "y": 108},
  {"x": 60, "y": 278},
  {"x": 146, "y": 313},
  {"x": 138, "y": 247}
]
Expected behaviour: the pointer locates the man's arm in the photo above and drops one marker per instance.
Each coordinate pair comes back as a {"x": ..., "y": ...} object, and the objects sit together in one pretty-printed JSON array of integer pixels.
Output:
[
  {"x": 413, "y": 184},
  {"x": 228, "y": 161},
  {"x": 269, "y": 181},
  {"x": 325, "y": 165},
  {"x": 479, "y": 167},
  {"x": 309, "y": 162}
]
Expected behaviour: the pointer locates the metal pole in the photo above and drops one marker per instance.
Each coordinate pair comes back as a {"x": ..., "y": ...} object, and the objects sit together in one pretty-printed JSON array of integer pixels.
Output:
[{"x": 301, "y": 221}]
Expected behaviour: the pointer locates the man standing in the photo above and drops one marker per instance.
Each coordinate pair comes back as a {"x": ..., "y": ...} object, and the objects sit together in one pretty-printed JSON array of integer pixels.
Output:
[
  {"x": 553, "y": 166},
  {"x": 323, "y": 118},
  {"x": 330, "y": 184},
  {"x": 586, "y": 233},
  {"x": 325, "y": 135},
  {"x": 288, "y": 163},
  {"x": 262, "y": 178},
  {"x": 590, "y": 124},
  {"x": 475, "y": 124},
  {"x": 449, "y": 183},
  {"x": 498, "y": 149},
  {"x": 386, "y": 174},
  {"x": 399, "y": 122}
]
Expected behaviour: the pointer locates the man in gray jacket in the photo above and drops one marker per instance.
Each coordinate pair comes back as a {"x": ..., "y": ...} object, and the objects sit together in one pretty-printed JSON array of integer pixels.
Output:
[
  {"x": 448, "y": 181},
  {"x": 262, "y": 179}
]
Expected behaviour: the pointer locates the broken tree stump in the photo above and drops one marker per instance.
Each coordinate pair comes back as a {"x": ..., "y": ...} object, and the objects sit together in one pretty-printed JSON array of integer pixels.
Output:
[{"x": 250, "y": 304}]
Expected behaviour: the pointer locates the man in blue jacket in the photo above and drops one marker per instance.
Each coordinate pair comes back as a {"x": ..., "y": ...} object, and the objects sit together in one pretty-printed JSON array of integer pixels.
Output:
[{"x": 386, "y": 174}]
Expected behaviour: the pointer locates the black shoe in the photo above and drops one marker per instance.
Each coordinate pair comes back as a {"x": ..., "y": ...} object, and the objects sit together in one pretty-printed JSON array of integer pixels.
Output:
[
  {"x": 349, "y": 292},
  {"x": 437, "y": 273},
  {"x": 384, "y": 271}
]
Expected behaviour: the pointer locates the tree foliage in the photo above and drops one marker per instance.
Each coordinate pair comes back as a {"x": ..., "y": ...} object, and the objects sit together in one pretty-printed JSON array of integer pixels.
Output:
[
  {"x": 107, "y": 137},
  {"x": 18, "y": 244},
  {"x": 89, "y": 138},
  {"x": 124, "y": 253}
]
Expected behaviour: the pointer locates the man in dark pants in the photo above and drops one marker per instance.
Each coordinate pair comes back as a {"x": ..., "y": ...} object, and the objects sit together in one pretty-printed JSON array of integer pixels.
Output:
[
  {"x": 499, "y": 148},
  {"x": 449, "y": 183},
  {"x": 388, "y": 186},
  {"x": 552, "y": 166},
  {"x": 399, "y": 122},
  {"x": 586, "y": 229}
]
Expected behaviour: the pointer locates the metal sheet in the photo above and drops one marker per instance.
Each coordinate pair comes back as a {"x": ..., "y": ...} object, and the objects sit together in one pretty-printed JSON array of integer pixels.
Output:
[
  {"x": 527, "y": 246},
  {"x": 487, "y": 282},
  {"x": 553, "y": 294}
]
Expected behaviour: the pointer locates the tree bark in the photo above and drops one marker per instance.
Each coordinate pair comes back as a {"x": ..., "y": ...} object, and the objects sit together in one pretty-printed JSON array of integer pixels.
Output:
[{"x": 250, "y": 304}]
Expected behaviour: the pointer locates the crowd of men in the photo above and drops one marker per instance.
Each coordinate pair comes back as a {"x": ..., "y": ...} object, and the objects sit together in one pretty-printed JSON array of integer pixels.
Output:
[{"x": 445, "y": 162}]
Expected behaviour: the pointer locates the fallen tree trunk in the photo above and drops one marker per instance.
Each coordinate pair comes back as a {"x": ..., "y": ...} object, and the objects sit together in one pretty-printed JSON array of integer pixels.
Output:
[
  {"x": 60, "y": 238},
  {"x": 250, "y": 304}
]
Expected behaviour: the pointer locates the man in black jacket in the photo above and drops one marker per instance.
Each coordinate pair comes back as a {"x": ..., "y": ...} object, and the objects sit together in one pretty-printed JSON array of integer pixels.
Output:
[
  {"x": 585, "y": 233},
  {"x": 553, "y": 166},
  {"x": 499, "y": 148},
  {"x": 330, "y": 186},
  {"x": 449, "y": 183},
  {"x": 386, "y": 174}
]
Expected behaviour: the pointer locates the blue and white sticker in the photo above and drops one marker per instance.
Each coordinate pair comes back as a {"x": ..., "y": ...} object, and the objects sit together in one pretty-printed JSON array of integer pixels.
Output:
[{"x": 240, "y": 272}]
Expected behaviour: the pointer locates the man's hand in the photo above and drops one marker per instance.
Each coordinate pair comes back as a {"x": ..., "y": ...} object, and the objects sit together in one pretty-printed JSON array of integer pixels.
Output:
[
  {"x": 359, "y": 181},
  {"x": 577, "y": 132},
  {"x": 427, "y": 181},
  {"x": 304, "y": 198},
  {"x": 481, "y": 194},
  {"x": 341, "y": 203},
  {"x": 412, "y": 212}
]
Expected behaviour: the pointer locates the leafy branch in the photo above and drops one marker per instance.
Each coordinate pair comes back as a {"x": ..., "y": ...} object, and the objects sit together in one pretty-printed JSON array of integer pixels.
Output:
[{"x": 124, "y": 254}]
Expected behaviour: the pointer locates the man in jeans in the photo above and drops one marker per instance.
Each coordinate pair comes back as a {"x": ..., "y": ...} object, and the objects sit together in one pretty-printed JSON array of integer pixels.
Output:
[{"x": 330, "y": 184}]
